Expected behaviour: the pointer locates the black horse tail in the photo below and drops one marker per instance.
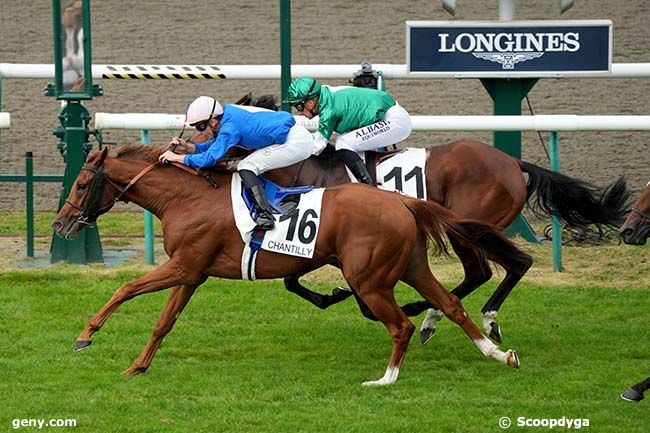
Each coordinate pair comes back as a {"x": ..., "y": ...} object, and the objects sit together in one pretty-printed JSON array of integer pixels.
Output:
[
  {"x": 576, "y": 202},
  {"x": 487, "y": 241}
]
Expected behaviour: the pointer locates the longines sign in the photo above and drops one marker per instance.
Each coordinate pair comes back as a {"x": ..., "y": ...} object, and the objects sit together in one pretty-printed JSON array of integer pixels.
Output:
[{"x": 508, "y": 49}]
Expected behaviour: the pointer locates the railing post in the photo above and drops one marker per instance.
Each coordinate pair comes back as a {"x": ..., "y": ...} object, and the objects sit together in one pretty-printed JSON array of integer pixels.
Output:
[
  {"x": 29, "y": 202},
  {"x": 145, "y": 138},
  {"x": 285, "y": 51},
  {"x": 556, "y": 225}
]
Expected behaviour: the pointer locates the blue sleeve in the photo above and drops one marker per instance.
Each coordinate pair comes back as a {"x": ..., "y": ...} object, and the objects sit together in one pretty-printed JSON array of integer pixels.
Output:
[
  {"x": 202, "y": 147},
  {"x": 216, "y": 149}
]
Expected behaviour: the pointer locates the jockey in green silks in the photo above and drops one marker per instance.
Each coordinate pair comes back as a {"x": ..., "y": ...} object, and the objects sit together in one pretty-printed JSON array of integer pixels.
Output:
[{"x": 366, "y": 119}]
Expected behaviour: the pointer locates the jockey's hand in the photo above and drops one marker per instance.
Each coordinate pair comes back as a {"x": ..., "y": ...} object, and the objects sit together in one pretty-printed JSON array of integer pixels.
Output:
[
  {"x": 169, "y": 156},
  {"x": 181, "y": 146}
]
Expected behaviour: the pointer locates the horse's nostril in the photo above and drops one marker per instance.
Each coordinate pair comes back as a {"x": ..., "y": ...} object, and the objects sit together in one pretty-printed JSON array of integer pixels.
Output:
[{"x": 57, "y": 225}]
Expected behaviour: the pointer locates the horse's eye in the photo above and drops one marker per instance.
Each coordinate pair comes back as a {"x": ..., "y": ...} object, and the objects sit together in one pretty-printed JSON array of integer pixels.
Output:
[{"x": 81, "y": 186}]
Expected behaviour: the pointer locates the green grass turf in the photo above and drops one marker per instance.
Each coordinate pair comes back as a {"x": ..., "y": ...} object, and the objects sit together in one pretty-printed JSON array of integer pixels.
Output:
[
  {"x": 113, "y": 223},
  {"x": 250, "y": 357}
]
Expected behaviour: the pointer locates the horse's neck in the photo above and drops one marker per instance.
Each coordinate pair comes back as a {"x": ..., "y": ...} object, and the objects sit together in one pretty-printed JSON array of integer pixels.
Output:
[
  {"x": 158, "y": 188},
  {"x": 309, "y": 172}
]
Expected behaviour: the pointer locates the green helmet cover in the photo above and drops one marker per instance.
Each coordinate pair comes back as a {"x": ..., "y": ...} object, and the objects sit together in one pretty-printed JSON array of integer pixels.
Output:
[{"x": 303, "y": 89}]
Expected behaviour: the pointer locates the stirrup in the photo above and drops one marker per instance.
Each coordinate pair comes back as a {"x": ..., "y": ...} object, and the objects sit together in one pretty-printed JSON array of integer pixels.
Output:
[{"x": 264, "y": 220}]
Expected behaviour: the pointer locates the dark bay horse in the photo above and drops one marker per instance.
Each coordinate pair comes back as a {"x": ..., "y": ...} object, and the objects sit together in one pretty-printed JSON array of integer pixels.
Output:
[
  {"x": 636, "y": 228},
  {"x": 476, "y": 181},
  {"x": 635, "y": 231},
  {"x": 202, "y": 240}
]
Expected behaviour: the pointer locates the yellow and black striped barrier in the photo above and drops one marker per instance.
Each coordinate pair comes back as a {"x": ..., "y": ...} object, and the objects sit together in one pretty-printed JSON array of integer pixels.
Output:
[{"x": 161, "y": 72}]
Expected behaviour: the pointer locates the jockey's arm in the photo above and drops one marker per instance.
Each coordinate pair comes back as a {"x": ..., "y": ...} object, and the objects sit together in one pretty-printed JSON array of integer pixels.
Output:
[
  {"x": 208, "y": 154},
  {"x": 326, "y": 123}
]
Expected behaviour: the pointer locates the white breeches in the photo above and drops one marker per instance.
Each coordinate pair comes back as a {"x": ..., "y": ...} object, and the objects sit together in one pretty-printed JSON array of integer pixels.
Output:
[
  {"x": 395, "y": 127},
  {"x": 298, "y": 147}
]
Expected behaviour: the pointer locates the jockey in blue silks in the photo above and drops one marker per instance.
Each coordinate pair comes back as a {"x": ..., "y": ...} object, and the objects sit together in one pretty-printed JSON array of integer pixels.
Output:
[{"x": 274, "y": 136}]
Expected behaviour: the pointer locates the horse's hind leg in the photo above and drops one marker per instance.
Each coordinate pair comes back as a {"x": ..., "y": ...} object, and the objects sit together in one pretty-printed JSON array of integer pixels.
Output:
[
  {"x": 516, "y": 263},
  {"x": 166, "y": 275},
  {"x": 383, "y": 306},
  {"x": 420, "y": 277},
  {"x": 489, "y": 311},
  {"x": 177, "y": 300},
  {"x": 477, "y": 272}
]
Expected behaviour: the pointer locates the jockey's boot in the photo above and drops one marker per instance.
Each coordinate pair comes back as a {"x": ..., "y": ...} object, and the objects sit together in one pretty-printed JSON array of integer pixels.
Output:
[
  {"x": 353, "y": 161},
  {"x": 264, "y": 218}
]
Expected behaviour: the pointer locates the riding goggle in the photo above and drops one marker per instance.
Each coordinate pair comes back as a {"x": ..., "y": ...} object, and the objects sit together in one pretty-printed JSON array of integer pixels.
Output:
[
  {"x": 203, "y": 124},
  {"x": 299, "y": 106}
]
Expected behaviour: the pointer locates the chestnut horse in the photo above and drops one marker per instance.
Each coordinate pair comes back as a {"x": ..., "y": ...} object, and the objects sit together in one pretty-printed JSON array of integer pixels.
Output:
[
  {"x": 476, "y": 181},
  {"x": 201, "y": 239},
  {"x": 636, "y": 228}
]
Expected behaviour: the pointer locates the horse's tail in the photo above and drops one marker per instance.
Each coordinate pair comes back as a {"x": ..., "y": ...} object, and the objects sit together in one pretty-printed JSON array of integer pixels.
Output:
[
  {"x": 576, "y": 202},
  {"x": 487, "y": 240}
]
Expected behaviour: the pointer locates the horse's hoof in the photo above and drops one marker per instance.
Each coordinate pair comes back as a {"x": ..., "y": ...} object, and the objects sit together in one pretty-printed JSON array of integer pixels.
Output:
[
  {"x": 133, "y": 371},
  {"x": 426, "y": 334},
  {"x": 632, "y": 395},
  {"x": 80, "y": 345},
  {"x": 495, "y": 332},
  {"x": 341, "y": 293},
  {"x": 512, "y": 359},
  {"x": 381, "y": 382}
]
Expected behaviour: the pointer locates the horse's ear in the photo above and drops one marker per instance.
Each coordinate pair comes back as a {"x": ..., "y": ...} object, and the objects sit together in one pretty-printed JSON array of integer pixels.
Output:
[
  {"x": 245, "y": 100},
  {"x": 102, "y": 156}
]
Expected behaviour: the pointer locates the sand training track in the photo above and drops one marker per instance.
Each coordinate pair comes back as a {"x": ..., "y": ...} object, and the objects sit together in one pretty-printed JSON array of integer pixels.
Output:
[{"x": 326, "y": 32}]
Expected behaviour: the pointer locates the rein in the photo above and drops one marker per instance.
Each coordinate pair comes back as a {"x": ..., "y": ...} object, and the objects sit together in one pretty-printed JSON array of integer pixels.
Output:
[{"x": 88, "y": 214}]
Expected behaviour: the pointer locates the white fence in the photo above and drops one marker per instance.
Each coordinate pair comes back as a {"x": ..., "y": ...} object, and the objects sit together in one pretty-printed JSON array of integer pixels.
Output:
[
  {"x": 269, "y": 72},
  {"x": 5, "y": 120},
  {"x": 150, "y": 121}
]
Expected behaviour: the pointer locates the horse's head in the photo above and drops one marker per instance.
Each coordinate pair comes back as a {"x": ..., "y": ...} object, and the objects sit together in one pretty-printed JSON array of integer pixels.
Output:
[
  {"x": 88, "y": 198},
  {"x": 636, "y": 228}
]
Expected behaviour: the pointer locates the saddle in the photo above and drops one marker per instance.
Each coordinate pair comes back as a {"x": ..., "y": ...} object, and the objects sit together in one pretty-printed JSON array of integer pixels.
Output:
[{"x": 282, "y": 200}]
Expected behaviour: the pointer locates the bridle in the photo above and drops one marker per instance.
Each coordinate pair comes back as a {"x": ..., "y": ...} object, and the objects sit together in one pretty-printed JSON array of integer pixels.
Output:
[
  {"x": 89, "y": 211},
  {"x": 88, "y": 214},
  {"x": 642, "y": 214}
]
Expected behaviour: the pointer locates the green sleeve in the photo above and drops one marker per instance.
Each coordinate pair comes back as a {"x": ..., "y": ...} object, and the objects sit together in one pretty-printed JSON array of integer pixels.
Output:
[{"x": 326, "y": 123}]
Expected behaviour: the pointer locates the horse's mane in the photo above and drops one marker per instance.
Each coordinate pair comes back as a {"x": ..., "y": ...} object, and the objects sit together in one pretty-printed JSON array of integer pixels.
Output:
[
  {"x": 328, "y": 160},
  {"x": 140, "y": 152}
]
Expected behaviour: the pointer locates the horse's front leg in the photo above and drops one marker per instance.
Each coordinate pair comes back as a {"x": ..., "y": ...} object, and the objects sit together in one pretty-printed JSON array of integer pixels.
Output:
[
  {"x": 169, "y": 274},
  {"x": 176, "y": 302},
  {"x": 339, "y": 293}
]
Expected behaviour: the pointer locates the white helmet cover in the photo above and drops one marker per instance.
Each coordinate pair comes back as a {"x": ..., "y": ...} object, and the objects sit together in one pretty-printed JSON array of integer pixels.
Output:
[{"x": 201, "y": 108}]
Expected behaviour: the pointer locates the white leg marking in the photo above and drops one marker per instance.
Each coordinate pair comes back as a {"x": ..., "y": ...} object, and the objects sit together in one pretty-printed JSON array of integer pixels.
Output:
[
  {"x": 488, "y": 317},
  {"x": 488, "y": 348},
  {"x": 431, "y": 319},
  {"x": 389, "y": 377}
]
